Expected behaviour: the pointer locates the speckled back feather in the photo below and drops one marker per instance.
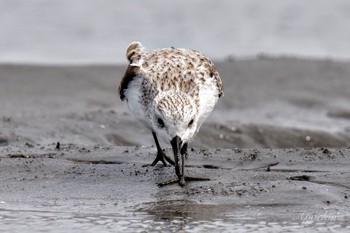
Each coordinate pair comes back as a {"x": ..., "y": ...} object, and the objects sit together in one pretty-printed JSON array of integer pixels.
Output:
[{"x": 181, "y": 69}]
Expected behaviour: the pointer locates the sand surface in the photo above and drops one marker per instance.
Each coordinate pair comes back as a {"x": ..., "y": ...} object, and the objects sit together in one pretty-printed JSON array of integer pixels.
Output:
[{"x": 276, "y": 150}]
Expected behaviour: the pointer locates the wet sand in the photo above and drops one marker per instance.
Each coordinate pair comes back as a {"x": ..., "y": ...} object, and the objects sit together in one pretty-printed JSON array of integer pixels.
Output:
[
  {"x": 276, "y": 150},
  {"x": 106, "y": 188}
]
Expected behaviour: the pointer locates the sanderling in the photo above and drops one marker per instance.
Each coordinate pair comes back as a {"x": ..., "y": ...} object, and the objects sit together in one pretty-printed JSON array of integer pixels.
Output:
[{"x": 172, "y": 91}]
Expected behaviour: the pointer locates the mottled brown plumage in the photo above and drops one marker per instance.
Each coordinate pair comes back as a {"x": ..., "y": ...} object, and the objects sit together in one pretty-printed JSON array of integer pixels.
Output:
[{"x": 185, "y": 69}]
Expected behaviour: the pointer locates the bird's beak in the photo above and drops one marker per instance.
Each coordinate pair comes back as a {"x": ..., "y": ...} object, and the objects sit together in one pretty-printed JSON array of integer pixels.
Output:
[{"x": 176, "y": 145}]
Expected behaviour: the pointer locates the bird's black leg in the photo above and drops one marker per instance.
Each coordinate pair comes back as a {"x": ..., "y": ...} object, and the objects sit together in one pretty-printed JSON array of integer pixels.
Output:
[
  {"x": 183, "y": 153},
  {"x": 161, "y": 156},
  {"x": 181, "y": 178},
  {"x": 184, "y": 149}
]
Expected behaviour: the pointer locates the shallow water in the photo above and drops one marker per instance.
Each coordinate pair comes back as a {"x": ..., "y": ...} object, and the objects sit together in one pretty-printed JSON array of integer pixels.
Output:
[
  {"x": 167, "y": 216},
  {"x": 57, "y": 222}
]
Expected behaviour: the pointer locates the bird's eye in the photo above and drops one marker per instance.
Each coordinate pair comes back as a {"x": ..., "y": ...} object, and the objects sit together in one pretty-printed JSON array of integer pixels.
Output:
[
  {"x": 190, "y": 123},
  {"x": 160, "y": 122}
]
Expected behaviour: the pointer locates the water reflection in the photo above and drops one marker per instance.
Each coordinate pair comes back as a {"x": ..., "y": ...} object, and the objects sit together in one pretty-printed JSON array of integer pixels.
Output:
[
  {"x": 184, "y": 209},
  {"x": 190, "y": 216}
]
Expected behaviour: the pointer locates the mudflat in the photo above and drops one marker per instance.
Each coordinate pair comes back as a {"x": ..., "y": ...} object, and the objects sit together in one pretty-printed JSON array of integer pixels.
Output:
[{"x": 276, "y": 151}]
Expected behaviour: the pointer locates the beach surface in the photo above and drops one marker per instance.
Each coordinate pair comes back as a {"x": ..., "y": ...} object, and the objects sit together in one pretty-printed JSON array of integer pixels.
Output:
[{"x": 276, "y": 151}]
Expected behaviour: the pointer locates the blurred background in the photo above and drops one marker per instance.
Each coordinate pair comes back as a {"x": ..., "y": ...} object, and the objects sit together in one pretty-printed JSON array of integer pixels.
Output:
[
  {"x": 91, "y": 31},
  {"x": 271, "y": 102}
]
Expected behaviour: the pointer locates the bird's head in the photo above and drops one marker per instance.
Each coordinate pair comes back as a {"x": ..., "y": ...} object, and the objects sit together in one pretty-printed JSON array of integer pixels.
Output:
[{"x": 175, "y": 115}]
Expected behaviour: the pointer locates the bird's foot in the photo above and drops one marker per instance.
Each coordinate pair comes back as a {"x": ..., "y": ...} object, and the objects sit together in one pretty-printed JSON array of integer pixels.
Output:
[
  {"x": 182, "y": 180},
  {"x": 161, "y": 157}
]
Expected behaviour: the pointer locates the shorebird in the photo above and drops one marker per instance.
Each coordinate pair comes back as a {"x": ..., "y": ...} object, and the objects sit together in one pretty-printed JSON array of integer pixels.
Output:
[{"x": 172, "y": 91}]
